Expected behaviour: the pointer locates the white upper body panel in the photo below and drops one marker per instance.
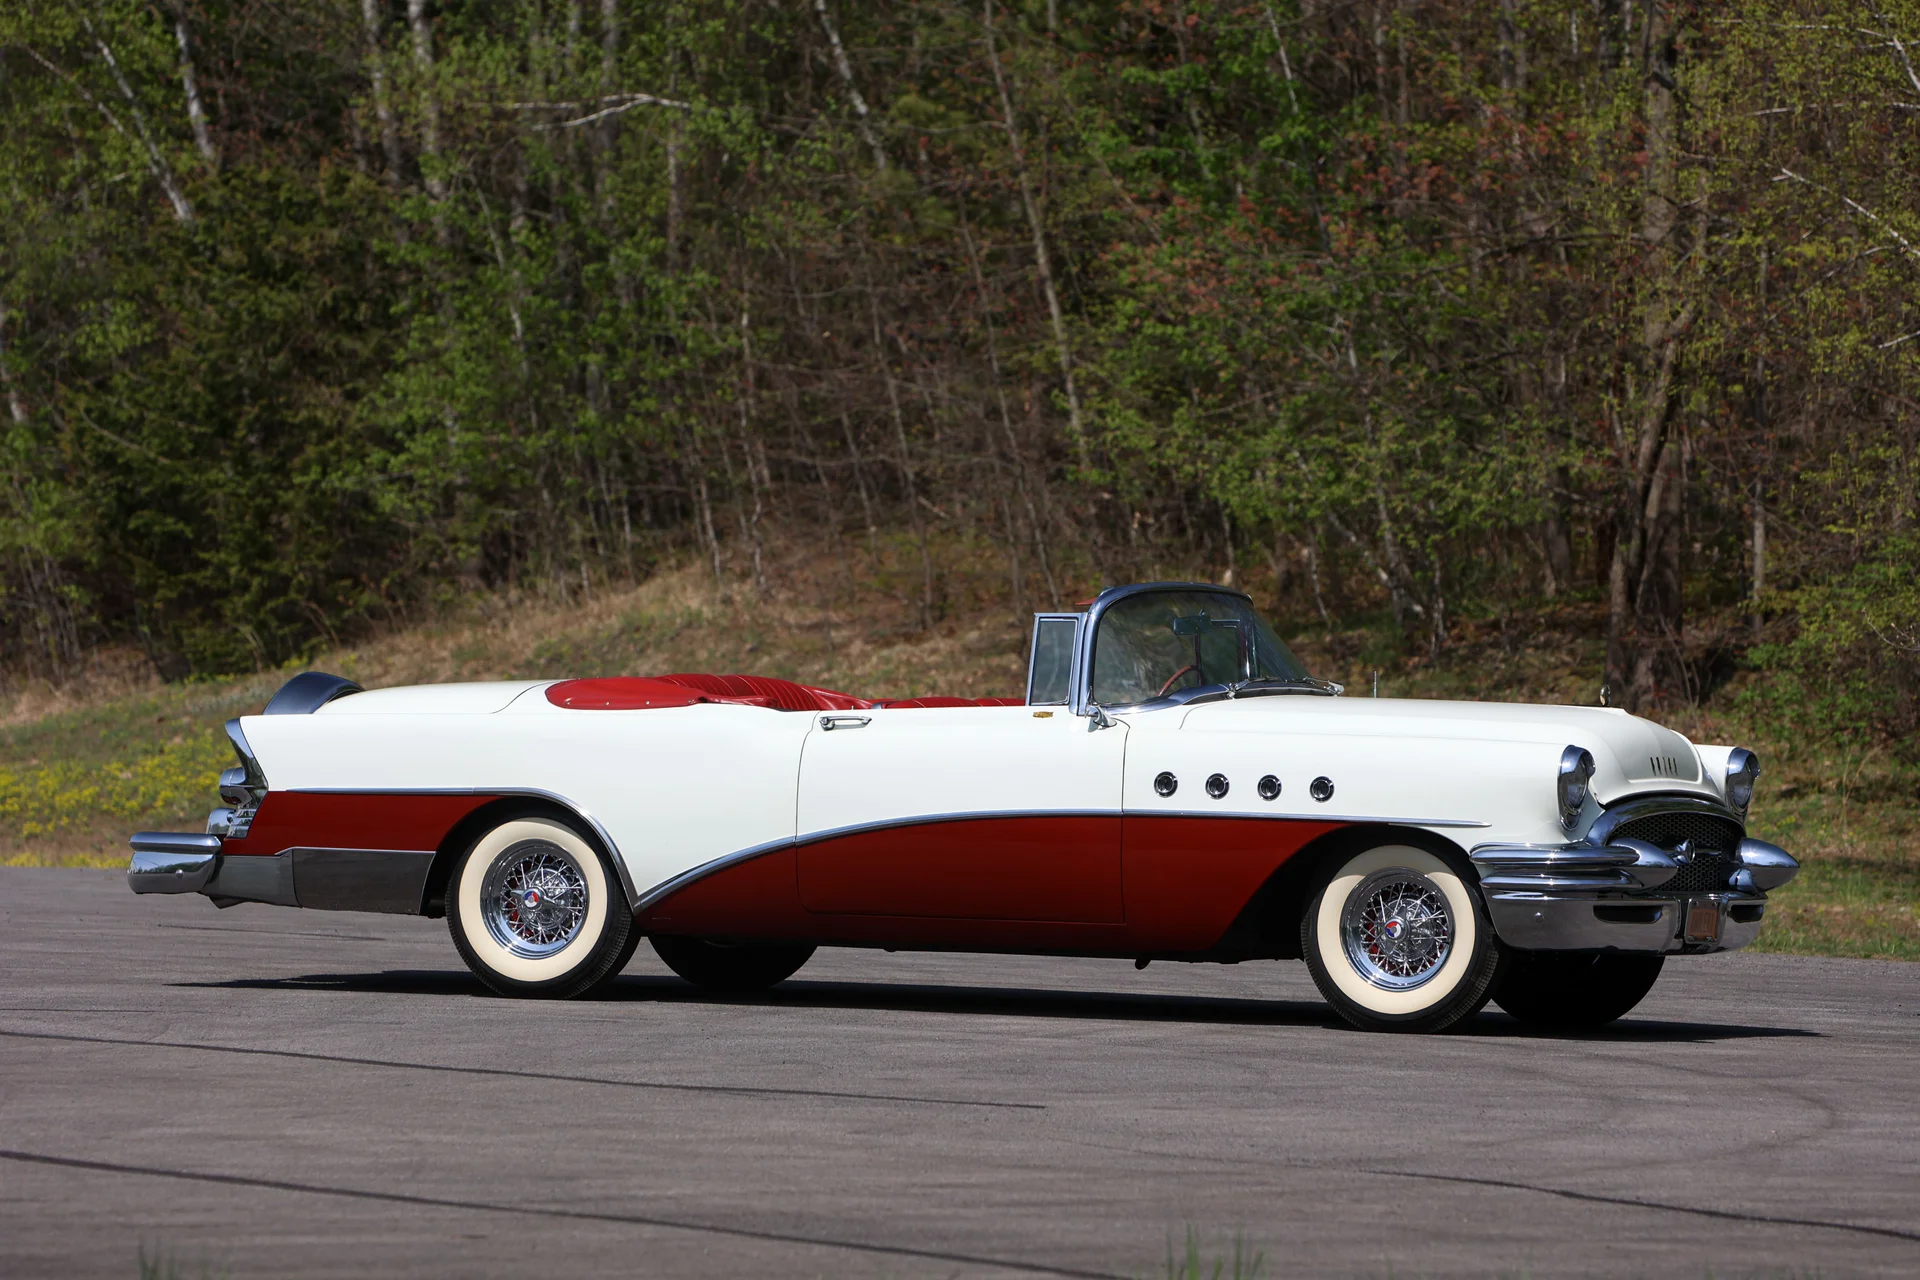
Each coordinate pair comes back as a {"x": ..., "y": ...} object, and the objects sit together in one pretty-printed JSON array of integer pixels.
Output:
[
  {"x": 1483, "y": 771},
  {"x": 923, "y": 762},
  {"x": 674, "y": 787},
  {"x": 677, "y": 787}
]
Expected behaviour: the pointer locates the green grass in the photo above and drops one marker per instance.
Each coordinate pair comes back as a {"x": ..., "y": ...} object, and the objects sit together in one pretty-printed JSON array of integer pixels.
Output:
[
  {"x": 73, "y": 784},
  {"x": 1242, "y": 1264}
]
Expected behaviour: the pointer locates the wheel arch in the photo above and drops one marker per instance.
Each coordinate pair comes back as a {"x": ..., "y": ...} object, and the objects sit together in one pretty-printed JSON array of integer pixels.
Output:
[
  {"x": 1269, "y": 925},
  {"x": 465, "y": 833}
]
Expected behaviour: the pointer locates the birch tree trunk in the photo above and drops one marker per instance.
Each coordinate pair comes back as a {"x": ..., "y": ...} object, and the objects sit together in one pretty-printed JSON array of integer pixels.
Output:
[
  {"x": 422, "y": 29},
  {"x": 382, "y": 98},
  {"x": 196, "y": 113},
  {"x": 156, "y": 159},
  {"x": 854, "y": 97},
  {"x": 16, "y": 406},
  {"x": 1043, "y": 262}
]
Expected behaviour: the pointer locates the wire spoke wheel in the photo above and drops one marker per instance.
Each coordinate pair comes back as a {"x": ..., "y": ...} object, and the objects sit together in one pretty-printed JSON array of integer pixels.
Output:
[
  {"x": 534, "y": 899},
  {"x": 1397, "y": 929},
  {"x": 535, "y": 910},
  {"x": 1397, "y": 938}
]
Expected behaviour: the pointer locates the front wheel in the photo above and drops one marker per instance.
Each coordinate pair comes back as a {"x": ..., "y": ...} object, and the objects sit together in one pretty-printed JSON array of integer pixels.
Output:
[
  {"x": 1574, "y": 988},
  {"x": 720, "y": 966},
  {"x": 1397, "y": 940},
  {"x": 535, "y": 911}
]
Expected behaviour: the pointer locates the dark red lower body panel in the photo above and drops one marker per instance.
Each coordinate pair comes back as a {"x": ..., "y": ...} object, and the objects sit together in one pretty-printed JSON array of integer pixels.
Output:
[
  {"x": 352, "y": 820},
  {"x": 1183, "y": 881},
  {"x": 1064, "y": 869},
  {"x": 1097, "y": 883}
]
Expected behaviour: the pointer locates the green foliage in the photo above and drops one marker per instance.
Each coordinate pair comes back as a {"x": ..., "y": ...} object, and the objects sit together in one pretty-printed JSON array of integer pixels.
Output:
[{"x": 1368, "y": 297}]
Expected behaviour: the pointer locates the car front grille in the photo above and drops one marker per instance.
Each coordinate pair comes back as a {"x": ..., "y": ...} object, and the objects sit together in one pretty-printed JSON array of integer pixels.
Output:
[{"x": 1712, "y": 841}]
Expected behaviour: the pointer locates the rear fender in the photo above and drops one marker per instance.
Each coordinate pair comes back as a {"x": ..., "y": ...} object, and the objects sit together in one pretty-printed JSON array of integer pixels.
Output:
[{"x": 467, "y": 832}]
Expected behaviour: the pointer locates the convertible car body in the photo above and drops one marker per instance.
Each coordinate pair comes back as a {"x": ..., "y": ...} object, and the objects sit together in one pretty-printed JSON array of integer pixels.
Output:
[{"x": 1174, "y": 785}]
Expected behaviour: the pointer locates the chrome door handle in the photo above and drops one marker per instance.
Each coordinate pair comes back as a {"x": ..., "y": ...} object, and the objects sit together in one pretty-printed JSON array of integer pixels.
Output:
[{"x": 828, "y": 723}]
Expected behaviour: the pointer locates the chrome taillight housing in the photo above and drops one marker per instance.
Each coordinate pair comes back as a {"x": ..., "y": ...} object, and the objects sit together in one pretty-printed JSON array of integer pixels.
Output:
[{"x": 243, "y": 787}]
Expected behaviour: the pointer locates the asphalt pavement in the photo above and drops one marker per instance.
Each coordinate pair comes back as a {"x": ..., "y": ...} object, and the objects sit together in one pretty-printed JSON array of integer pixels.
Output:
[{"x": 269, "y": 1092}]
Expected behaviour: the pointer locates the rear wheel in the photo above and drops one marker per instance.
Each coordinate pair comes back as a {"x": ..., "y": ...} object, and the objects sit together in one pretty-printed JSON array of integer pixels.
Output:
[
  {"x": 1574, "y": 988},
  {"x": 535, "y": 911},
  {"x": 1397, "y": 940},
  {"x": 720, "y": 966}
]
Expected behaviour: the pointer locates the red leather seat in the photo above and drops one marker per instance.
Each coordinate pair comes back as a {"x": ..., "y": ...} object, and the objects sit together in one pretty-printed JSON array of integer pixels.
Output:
[{"x": 634, "y": 693}]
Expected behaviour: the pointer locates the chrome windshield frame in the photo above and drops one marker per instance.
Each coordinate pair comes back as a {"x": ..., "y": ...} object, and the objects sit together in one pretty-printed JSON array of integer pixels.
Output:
[{"x": 1083, "y": 703}]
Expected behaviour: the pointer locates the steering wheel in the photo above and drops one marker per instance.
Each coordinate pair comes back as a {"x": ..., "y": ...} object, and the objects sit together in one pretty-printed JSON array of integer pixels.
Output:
[{"x": 1189, "y": 669}]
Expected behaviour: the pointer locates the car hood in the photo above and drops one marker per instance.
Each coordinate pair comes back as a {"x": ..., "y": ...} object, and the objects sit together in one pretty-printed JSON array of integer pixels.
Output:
[{"x": 1630, "y": 753}]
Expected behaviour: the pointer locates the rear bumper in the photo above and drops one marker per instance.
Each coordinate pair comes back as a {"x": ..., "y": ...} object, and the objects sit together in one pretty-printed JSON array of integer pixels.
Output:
[
  {"x": 1585, "y": 897},
  {"x": 384, "y": 880},
  {"x": 172, "y": 862}
]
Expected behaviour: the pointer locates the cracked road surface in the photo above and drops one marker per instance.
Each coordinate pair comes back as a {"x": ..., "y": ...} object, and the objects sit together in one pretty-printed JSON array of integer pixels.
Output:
[{"x": 265, "y": 1092}]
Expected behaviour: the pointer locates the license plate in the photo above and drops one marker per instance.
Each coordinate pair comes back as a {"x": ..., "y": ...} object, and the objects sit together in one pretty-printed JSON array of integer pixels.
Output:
[{"x": 1703, "y": 922}]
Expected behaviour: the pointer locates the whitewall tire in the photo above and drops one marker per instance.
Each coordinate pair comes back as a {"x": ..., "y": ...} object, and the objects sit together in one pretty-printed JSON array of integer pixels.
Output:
[
  {"x": 536, "y": 911},
  {"x": 1397, "y": 940}
]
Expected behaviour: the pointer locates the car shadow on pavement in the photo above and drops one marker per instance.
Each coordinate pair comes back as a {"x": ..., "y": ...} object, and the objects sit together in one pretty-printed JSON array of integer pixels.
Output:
[
  {"x": 1630, "y": 1030},
  {"x": 1019, "y": 1002}
]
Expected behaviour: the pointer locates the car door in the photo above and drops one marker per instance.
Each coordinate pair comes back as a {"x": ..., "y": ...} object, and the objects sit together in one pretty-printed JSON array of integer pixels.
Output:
[{"x": 988, "y": 813}]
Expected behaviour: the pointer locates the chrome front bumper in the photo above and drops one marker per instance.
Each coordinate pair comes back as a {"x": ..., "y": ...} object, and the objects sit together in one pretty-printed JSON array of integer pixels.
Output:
[{"x": 1608, "y": 897}]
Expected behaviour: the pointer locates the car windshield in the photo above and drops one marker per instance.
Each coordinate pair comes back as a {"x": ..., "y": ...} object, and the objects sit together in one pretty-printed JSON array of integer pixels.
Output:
[{"x": 1162, "y": 642}]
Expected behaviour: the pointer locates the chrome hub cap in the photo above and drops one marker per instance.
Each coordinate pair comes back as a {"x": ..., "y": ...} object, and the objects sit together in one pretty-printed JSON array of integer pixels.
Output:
[
  {"x": 1397, "y": 929},
  {"x": 534, "y": 899}
]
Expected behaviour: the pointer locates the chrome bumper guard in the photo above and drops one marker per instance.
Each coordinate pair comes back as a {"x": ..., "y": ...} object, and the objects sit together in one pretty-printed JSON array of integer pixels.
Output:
[
  {"x": 1607, "y": 897},
  {"x": 172, "y": 862}
]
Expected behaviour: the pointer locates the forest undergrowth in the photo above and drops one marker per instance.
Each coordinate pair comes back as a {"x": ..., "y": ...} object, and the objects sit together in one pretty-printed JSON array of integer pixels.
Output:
[{"x": 85, "y": 763}]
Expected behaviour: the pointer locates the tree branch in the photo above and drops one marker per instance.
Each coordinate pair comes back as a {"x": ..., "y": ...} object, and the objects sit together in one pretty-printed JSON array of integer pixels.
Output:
[
  {"x": 156, "y": 163},
  {"x": 1857, "y": 207}
]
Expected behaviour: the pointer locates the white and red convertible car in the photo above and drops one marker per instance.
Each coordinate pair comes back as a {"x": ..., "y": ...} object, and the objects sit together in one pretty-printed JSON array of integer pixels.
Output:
[{"x": 1174, "y": 786}]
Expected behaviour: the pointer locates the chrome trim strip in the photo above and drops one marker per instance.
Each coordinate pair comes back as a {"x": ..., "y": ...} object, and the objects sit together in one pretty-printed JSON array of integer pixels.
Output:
[
  {"x": 933, "y": 819},
  {"x": 1558, "y": 882},
  {"x": 674, "y": 884},
  {"x": 177, "y": 842},
  {"x": 579, "y": 810},
  {"x": 1305, "y": 817},
  {"x": 1552, "y": 856},
  {"x": 255, "y": 775},
  {"x": 1512, "y": 866}
]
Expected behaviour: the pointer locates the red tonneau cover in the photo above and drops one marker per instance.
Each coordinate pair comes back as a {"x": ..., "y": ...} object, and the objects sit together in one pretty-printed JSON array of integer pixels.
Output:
[{"x": 633, "y": 693}]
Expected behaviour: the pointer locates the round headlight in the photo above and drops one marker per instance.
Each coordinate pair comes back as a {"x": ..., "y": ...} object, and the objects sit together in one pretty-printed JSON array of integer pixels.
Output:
[
  {"x": 1743, "y": 770},
  {"x": 1576, "y": 771}
]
